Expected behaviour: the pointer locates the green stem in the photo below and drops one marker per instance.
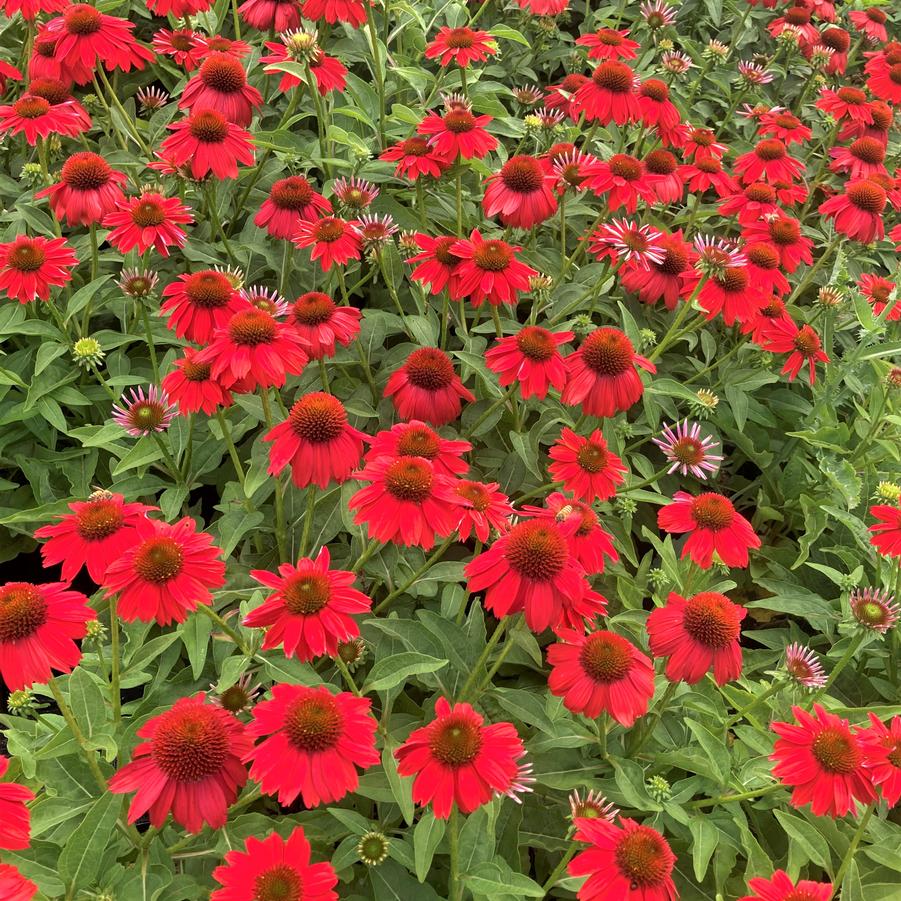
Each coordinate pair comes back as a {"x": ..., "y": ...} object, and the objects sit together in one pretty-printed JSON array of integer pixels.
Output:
[
  {"x": 377, "y": 71},
  {"x": 171, "y": 465},
  {"x": 367, "y": 372},
  {"x": 89, "y": 755},
  {"x": 281, "y": 538},
  {"x": 742, "y": 796},
  {"x": 775, "y": 688},
  {"x": 852, "y": 850},
  {"x": 636, "y": 485},
  {"x": 475, "y": 672},
  {"x": 459, "y": 199},
  {"x": 115, "y": 662},
  {"x": 560, "y": 869},
  {"x": 435, "y": 556},
  {"x": 813, "y": 270},
  {"x": 501, "y": 400},
  {"x": 213, "y": 210},
  {"x": 233, "y": 634},
  {"x": 236, "y": 19},
  {"x": 308, "y": 521},
  {"x": 151, "y": 347},
  {"x": 673, "y": 331},
  {"x": 320, "y": 116},
  {"x": 347, "y": 675},
  {"x": 371, "y": 548},
  {"x": 230, "y": 444},
  {"x": 129, "y": 121},
  {"x": 454, "y": 885},
  {"x": 653, "y": 719}
]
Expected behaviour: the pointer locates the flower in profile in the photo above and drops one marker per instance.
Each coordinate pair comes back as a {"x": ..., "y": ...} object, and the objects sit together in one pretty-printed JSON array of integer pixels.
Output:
[
  {"x": 165, "y": 573},
  {"x": 460, "y": 46},
  {"x": 521, "y": 194},
  {"x": 39, "y": 625},
  {"x": 218, "y": 43},
  {"x": 488, "y": 270},
  {"x": 148, "y": 221},
  {"x": 88, "y": 189},
  {"x": 290, "y": 201},
  {"x": 753, "y": 74},
  {"x": 191, "y": 387},
  {"x": 459, "y": 759},
  {"x": 531, "y": 568},
  {"x": 591, "y": 806},
  {"x": 698, "y": 634},
  {"x": 137, "y": 283},
  {"x": 221, "y": 85},
  {"x": 406, "y": 502},
  {"x": 151, "y": 99},
  {"x": 181, "y": 45},
  {"x": 562, "y": 95},
  {"x": 779, "y": 887},
  {"x": 783, "y": 234},
  {"x": 93, "y": 535},
  {"x": 803, "y": 667},
  {"x": 313, "y": 743},
  {"x": 317, "y": 441},
  {"x": 608, "y": 43},
  {"x": 322, "y": 324},
  {"x": 822, "y": 759},
  {"x": 885, "y": 533},
  {"x": 600, "y": 672},
  {"x": 191, "y": 765},
  {"x": 483, "y": 507},
  {"x": 311, "y": 608},
  {"x": 237, "y": 697},
  {"x": 333, "y": 241},
  {"x": 676, "y": 62},
  {"x": 880, "y": 292},
  {"x": 426, "y": 387},
  {"x": 687, "y": 451},
  {"x": 716, "y": 256},
  {"x": 414, "y": 158},
  {"x": 437, "y": 263},
  {"x": 530, "y": 358},
  {"x": 629, "y": 861},
  {"x": 35, "y": 117},
  {"x": 142, "y": 414},
  {"x": 670, "y": 279},
  {"x": 457, "y": 133},
  {"x": 416, "y": 439},
  {"x": 586, "y": 466},
  {"x": 626, "y": 242},
  {"x": 873, "y": 609},
  {"x": 275, "y": 869},
  {"x": 274, "y": 15},
  {"x": 858, "y": 210},
  {"x": 801, "y": 344},
  {"x": 571, "y": 168},
  {"x": 206, "y": 141},
  {"x": 602, "y": 375},
  {"x": 714, "y": 527},
  {"x": 14, "y": 886},
  {"x": 30, "y": 267},
  {"x": 881, "y": 746},
  {"x": 871, "y": 22},
  {"x": 15, "y": 817},
  {"x": 376, "y": 229},
  {"x": 254, "y": 350},
  {"x": 351, "y": 12},
  {"x": 861, "y": 159}
]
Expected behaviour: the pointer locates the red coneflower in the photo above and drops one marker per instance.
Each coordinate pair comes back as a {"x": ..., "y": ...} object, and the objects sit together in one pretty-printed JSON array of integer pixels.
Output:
[
  {"x": 217, "y": 43},
  {"x": 427, "y": 388},
  {"x": 221, "y": 85},
  {"x": 207, "y": 142},
  {"x": 313, "y": 743},
  {"x": 150, "y": 220},
  {"x": 630, "y": 862},
  {"x": 752, "y": 203},
  {"x": 333, "y": 241},
  {"x": 586, "y": 466},
  {"x": 36, "y": 117},
  {"x": 768, "y": 162},
  {"x": 656, "y": 109},
  {"x": 885, "y": 533},
  {"x": 885, "y": 83},
  {"x": 291, "y": 200},
  {"x": 663, "y": 176},
  {"x": 407, "y": 502},
  {"x": 881, "y": 746},
  {"x": 351, "y": 12},
  {"x": 460, "y": 46},
  {"x": 44, "y": 63},
  {"x": 562, "y": 96},
  {"x": 801, "y": 344},
  {"x": 847, "y": 103},
  {"x": 191, "y": 387},
  {"x": 531, "y": 358},
  {"x": 668, "y": 279},
  {"x": 877, "y": 291},
  {"x": 783, "y": 234},
  {"x": 181, "y": 44},
  {"x": 780, "y": 888},
  {"x": 863, "y": 158},
  {"x": 271, "y": 15},
  {"x": 609, "y": 95},
  {"x": 414, "y": 159},
  {"x": 522, "y": 193},
  {"x": 482, "y": 507},
  {"x": 714, "y": 526},
  {"x": 785, "y": 126},
  {"x": 602, "y": 375},
  {"x": 39, "y": 625},
  {"x": 274, "y": 868},
  {"x": 416, "y": 439},
  {"x": 85, "y": 35},
  {"x": 570, "y": 167},
  {"x": 31, "y": 9},
  {"x": 858, "y": 211},
  {"x": 457, "y": 133},
  {"x": 322, "y": 324},
  {"x": 544, "y": 7},
  {"x": 871, "y": 22},
  {"x": 15, "y": 818},
  {"x": 254, "y": 350},
  {"x": 180, "y": 9},
  {"x": 701, "y": 144},
  {"x": 166, "y": 572},
  {"x": 88, "y": 189},
  {"x": 329, "y": 73},
  {"x": 14, "y": 886},
  {"x": 191, "y": 765},
  {"x": 311, "y": 608},
  {"x": 698, "y": 634},
  {"x": 622, "y": 179},
  {"x": 822, "y": 759},
  {"x": 29, "y": 267},
  {"x": 437, "y": 263},
  {"x": 600, "y": 672},
  {"x": 458, "y": 759},
  {"x": 95, "y": 534},
  {"x": 199, "y": 303},
  {"x": 531, "y": 568},
  {"x": 732, "y": 293},
  {"x": 317, "y": 441},
  {"x": 608, "y": 43}
]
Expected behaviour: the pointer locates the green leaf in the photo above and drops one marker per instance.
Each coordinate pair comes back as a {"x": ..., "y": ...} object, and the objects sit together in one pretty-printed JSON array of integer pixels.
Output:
[
  {"x": 195, "y": 636},
  {"x": 401, "y": 789},
  {"x": 426, "y": 837},
  {"x": 87, "y": 701},
  {"x": 704, "y": 840},
  {"x": 79, "y": 862},
  {"x": 495, "y": 878},
  {"x": 396, "y": 669},
  {"x": 510, "y": 34},
  {"x": 808, "y": 838}
]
